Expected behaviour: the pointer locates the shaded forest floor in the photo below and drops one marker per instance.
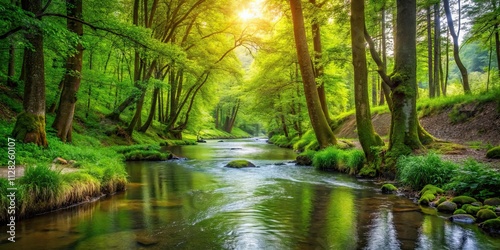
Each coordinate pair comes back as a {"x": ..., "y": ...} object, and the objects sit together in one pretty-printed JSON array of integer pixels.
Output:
[{"x": 469, "y": 130}]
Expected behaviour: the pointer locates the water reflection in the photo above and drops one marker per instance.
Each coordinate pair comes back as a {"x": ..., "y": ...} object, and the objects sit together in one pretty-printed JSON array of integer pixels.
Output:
[{"x": 199, "y": 204}]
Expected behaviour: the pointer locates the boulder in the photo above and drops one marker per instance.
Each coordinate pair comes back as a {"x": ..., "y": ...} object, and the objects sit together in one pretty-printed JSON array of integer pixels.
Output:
[
  {"x": 492, "y": 201},
  {"x": 477, "y": 204},
  {"x": 447, "y": 207},
  {"x": 485, "y": 214},
  {"x": 472, "y": 209},
  {"x": 460, "y": 200},
  {"x": 303, "y": 160},
  {"x": 491, "y": 226},
  {"x": 388, "y": 188},
  {"x": 463, "y": 218},
  {"x": 239, "y": 164},
  {"x": 460, "y": 211}
]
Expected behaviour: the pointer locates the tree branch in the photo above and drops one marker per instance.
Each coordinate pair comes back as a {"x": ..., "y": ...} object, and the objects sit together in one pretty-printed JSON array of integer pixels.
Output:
[{"x": 378, "y": 61}]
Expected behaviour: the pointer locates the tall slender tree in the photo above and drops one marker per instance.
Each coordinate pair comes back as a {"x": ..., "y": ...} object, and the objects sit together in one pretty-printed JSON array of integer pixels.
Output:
[
  {"x": 63, "y": 122},
  {"x": 319, "y": 123},
  {"x": 366, "y": 133},
  {"x": 456, "y": 49}
]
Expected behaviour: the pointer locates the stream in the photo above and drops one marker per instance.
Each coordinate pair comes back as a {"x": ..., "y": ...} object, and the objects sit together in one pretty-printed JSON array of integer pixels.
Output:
[{"x": 197, "y": 203}]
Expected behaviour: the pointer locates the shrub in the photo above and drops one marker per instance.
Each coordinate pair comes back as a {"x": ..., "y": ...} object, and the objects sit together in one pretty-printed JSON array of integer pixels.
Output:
[
  {"x": 280, "y": 141},
  {"x": 418, "y": 171},
  {"x": 476, "y": 180}
]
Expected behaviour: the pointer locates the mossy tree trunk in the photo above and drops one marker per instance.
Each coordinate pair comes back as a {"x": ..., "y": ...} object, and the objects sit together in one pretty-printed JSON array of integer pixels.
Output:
[
  {"x": 30, "y": 124},
  {"x": 319, "y": 123},
  {"x": 63, "y": 122},
  {"x": 366, "y": 133},
  {"x": 404, "y": 136}
]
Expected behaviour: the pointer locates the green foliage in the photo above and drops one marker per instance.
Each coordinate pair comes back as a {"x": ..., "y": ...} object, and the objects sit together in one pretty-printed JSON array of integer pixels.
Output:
[
  {"x": 418, "y": 171},
  {"x": 493, "y": 153},
  {"x": 333, "y": 158},
  {"x": 476, "y": 180},
  {"x": 41, "y": 183},
  {"x": 306, "y": 141},
  {"x": 282, "y": 141},
  {"x": 145, "y": 155}
]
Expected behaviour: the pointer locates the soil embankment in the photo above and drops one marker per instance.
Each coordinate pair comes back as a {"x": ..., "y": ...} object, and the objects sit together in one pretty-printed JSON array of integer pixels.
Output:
[{"x": 471, "y": 125}]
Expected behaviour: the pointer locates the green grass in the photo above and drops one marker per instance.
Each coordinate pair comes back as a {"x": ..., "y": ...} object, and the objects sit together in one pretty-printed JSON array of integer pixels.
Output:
[
  {"x": 418, "y": 171},
  {"x": 332, "y": 158}
]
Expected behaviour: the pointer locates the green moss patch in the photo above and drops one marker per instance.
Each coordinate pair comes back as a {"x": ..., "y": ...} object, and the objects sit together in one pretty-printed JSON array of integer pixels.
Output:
[
  {"x": 388, "y": 188},
  {"x": 460, "y": 211},
  {"x": 493, "y": 153},
  {"x": 492, "y": 201},
  {"x": 240, "y": 164},
  {"x": 485, "y": 214},
  {"x": 460, "y": 200}
]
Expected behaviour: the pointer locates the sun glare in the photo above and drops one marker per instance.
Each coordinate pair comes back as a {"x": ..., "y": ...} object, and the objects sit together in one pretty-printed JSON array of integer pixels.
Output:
[{"x": 252, "y": 11}]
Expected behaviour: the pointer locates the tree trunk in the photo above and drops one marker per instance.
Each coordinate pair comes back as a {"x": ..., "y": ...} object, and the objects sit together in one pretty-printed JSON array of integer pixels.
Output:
[
  {"x": 456, "y": 49},
  {"x": 367, "y": 136},
  {"x": 404, "y": 136},
  {"x": 437, "y": 49},
  {"x": 319, "y": 123},
  {"x": 30, "y": 124},
  {"x": 318, "y": 64},
  {"x": 430, "y": 73},
  {"x": 152, "y": 111},
  {"x": 11, "y": 68},
  {"x": 63, "y": 122}
]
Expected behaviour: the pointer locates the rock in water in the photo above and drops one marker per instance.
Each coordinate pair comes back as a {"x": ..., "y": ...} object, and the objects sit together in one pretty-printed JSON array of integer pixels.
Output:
[
  {"x": 447, "y": 207},
  {"x": 240, "y": 164},
  {"x": 463, "y": 218}
]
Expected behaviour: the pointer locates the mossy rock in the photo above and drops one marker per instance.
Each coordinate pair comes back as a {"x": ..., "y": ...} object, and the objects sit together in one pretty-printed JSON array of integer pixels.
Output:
[
  {"x": 428, "y": 194},
  {"x": 240, "y": 164},
  {"x": 492, "y": 201},
  {"x": 477, "y": 204},
  {"x": 303, "y": 160},
  {"x": 493, "y": 153},
  {"x": 447, "y": 207},
  {"x": 485, "y": 214},
  {"x": 460, "y": 211},
  {"x": 462, "y": 218},
  {"x": 429, "y": 187},
  {"x": 426, "y": 198},
  {"x": 460, "y": 200},
  {"x": 472, "y": 209},
  {"x": 491, "y": 226},
  {"x": 441, "y": 200},
  {"x": 388, "y": 188}
]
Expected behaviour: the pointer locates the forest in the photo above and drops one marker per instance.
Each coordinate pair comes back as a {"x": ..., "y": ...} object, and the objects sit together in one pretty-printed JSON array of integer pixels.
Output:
[{"x": 402, "y": 92}]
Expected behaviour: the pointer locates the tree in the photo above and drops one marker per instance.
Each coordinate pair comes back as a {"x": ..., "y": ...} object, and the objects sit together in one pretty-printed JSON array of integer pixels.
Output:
[
  {"x": 404, "y": 137},
  {"x": 366, "y": 133},
  {"x": 456, "y": 55},
  {"x": 319, "y": 123},
  {"x": 30, "y": 124},
  {"x": 63, "y": 122}
]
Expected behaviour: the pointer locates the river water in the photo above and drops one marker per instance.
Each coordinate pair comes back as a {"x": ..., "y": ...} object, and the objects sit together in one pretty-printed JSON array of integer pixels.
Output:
[{"x": 197, "y": 203}]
